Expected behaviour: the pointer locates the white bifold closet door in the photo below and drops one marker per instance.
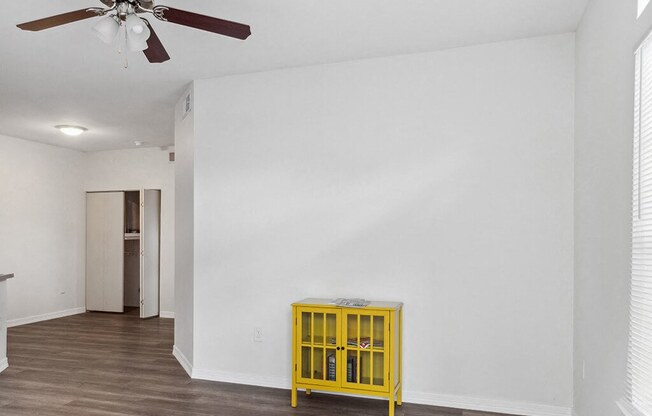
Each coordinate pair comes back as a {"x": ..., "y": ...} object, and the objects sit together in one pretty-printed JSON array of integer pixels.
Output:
[
  {"x": 104, "y": 251},
  {"x": 150, "y": 220}
]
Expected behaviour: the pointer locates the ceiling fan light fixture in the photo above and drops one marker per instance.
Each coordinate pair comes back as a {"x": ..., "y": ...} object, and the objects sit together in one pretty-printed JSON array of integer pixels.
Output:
[
  {"x": 71, "y": 130},
  {"x": 121, "y": 15},
  {"x": 107, "y": 29}
]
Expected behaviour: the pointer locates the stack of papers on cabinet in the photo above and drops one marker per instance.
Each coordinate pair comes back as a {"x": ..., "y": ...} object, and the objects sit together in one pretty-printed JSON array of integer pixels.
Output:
[{"x": 351, "y": 303}]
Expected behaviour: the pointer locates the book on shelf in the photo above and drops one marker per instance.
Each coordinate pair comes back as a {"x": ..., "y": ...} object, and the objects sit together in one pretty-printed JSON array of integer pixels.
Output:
[
  {"x": 331, "y": 367},
  {"x": 351, "y": 370},
  {"x": 365, "y": 343}
]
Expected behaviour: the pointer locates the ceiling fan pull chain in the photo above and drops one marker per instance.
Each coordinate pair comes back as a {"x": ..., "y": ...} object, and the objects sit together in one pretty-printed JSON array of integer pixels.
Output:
[
  {"x": 121, "y": 34},
  {"x": 126, "y": 49},
  {"x": 122, "y": 45}
]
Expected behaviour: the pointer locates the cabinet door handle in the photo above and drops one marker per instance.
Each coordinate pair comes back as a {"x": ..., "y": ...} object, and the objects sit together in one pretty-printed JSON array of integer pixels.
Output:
[{"x": 338, "y": 348}]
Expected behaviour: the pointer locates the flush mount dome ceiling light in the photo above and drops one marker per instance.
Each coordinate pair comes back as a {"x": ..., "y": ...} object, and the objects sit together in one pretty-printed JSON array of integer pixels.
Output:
[
  {"x": 71, "y": 130},
  {"x": 120, "y": 20}
]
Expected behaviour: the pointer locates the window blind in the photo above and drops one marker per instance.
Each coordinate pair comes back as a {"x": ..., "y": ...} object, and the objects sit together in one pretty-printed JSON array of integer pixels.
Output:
[
  {"x": 642, "y": 4},
  {"x": 639, "y": 371}
]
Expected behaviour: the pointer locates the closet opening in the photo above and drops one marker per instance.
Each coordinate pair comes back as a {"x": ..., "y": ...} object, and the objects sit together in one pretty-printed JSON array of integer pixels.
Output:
[{"x": 123, "y": 252}]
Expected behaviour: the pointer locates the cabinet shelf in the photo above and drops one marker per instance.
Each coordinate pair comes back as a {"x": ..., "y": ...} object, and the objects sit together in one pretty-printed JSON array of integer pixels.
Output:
[
  {"x": 319, "y": 340},
  {"x": 347, "y": 350},
  {"x": 365, "y": 349},
  {"x": 320, "y": 345}
]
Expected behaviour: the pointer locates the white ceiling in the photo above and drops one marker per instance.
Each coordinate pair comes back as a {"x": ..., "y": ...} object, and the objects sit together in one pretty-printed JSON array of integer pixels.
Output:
[{"x": 65, "y": 75}]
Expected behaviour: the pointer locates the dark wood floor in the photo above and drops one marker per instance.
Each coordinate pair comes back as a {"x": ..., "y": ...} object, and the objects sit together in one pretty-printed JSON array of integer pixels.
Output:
[{"x": 111, "y": 365}]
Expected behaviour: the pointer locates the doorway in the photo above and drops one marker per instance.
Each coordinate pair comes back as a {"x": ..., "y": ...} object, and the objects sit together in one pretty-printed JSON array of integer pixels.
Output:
[{"x": 123, "y": 251}]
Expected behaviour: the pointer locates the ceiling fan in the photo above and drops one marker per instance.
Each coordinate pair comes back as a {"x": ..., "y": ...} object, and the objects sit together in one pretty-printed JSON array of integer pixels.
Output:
[{"x": 139, "y": 34}]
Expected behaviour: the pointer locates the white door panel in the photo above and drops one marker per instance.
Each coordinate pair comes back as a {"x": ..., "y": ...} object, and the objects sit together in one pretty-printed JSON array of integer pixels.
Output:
[
  {"x": 105, "y": 251},
  {"x": 150, "y": 255}
]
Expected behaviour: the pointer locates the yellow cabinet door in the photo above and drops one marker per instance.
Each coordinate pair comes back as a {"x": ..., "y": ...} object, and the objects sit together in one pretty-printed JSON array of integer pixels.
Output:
[
  {"x": 318, "y": 346},
  {"x": 365, "y": 357}
]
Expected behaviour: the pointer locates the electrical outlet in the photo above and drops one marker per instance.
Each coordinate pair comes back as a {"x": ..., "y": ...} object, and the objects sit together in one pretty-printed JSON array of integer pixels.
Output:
[{"x": 258, "y": 334}]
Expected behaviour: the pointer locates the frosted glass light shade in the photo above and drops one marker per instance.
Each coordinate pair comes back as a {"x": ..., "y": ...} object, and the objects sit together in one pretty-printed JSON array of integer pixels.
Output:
[
  {"x": 106, "y": 29},
  {"x": 135, "y": 43},
  {"x": 137, "y": 29}
]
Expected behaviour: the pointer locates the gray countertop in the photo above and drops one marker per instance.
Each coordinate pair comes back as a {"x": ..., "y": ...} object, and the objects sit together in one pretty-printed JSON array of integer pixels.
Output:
[{"x": 4, "y": 277}]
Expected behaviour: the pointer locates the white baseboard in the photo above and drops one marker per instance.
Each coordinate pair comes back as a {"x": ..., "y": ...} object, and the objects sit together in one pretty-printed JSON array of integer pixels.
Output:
[
  {"x": 4, "y": 364},
  {"x": 440, "y": 400},
  {"x": 241, "y": 378},
  {"x": 185, "y": 363},
  {"x": 166, "y": 314},
  {"x": 44, "y": 317},
  {"x": 485, "y": 405}
]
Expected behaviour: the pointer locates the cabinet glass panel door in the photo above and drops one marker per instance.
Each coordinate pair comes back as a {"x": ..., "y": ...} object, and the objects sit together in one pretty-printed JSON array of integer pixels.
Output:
[
  {"x": 367, "y": 354},
  {"x": 319, "y": 338}
]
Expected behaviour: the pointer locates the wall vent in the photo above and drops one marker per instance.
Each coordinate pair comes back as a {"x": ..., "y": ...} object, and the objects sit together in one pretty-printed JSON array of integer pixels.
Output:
[
  {"x": 171, "y": 156},
  {"x": 187, "y": 105}
]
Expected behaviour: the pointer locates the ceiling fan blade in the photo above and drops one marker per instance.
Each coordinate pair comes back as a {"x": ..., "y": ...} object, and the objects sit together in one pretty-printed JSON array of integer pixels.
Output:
[
  {"x": 199, "y": 21},
  {"x": 155, "y": 51},
  {"x": 146, "y": 4},
  {"x": 60, "y": 19}
]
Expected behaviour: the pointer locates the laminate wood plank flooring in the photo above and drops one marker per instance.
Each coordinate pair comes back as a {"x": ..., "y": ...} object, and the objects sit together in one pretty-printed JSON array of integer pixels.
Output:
[{"x": 97, "y": 364}]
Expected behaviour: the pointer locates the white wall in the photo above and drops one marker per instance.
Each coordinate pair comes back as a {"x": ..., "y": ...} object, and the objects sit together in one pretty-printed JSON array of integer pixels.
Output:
[
  {"x": 42, "y": 229},
  {"x": 606, "y": 40},
  {"x": 444, "y": 180},
  {"x": 184, "y": 253},
  {"x": 43, "y": 221},
  {"x": 134, "y": 169}
]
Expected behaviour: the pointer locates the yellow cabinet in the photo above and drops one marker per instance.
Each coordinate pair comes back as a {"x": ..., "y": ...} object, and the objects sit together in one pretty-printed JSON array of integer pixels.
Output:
[{"x": 347, "y": 350}]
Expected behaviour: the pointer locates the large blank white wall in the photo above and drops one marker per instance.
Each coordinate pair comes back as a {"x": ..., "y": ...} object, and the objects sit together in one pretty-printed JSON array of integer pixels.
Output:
[
  {"x": 135, "y": 169},
  {"x": 606, "y": 40},
  {"x": 443, "y": 180},
  {"x": 42, "y": 228}
]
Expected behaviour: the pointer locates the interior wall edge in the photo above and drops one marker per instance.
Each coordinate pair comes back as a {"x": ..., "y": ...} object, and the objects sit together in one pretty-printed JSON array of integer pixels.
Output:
[{"x": 183, "y": 361}]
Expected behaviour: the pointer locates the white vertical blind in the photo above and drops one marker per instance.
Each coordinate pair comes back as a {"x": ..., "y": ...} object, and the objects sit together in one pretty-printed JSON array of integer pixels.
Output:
[{"x": 639, "y": 373}]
